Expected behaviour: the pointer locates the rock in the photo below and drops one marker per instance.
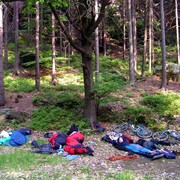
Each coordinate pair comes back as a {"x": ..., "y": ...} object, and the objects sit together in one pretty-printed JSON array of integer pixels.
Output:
[
  {"x": 172, "y": 69},
  {"x": 7, "y": 115}
]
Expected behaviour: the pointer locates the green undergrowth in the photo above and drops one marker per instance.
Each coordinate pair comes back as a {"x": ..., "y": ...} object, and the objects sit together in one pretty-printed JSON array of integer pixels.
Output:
[
  {"x": 18, "y": 84},
  {"x": 62, "y": 98},
  {"x": 54, "y": 118},
  {"x": 163, "y": 104},
  {"x": 108, "y": 83}
]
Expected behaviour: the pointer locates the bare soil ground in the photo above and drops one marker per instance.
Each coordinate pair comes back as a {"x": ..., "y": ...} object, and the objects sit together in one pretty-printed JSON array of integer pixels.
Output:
[{"x": 98, "y": 164}]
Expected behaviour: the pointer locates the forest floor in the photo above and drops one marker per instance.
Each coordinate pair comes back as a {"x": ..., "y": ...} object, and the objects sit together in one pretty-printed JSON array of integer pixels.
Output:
[{"x": 141, "y": 167}]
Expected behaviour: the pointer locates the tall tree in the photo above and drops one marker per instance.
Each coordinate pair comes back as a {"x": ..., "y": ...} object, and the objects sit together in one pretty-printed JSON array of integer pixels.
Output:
[
  {"x": 177, "y": 31},
  {"x": 163, "y": 47},
  {"x": 41, "y": 24},
  {"x": 104, "y": 35},
  {"x": 145, "y": 38},
  {"x": 16, "y": 12},
  {"x": 150, "y": 33},
  {"x": 124, "y": 27},
  {"x": 134, "y": 33},
  {"x": 131, "y": 57},
  {"x": 70, "y": 32},
  {"x": 53, "y": 52},
  {"x": 96, "y": 43},
  {"x": 60, "y": 38},
  {"x": 2, "y": 92},
  {"x": 6, "y": 37},
  {"x": 37, "y": 76},
  {"x": 82, "y": 18}
]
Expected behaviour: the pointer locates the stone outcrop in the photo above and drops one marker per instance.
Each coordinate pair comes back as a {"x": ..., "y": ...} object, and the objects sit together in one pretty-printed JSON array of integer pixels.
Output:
[
  {"x": 172, "y": 69},
  {"x": 7, "y": 115}
]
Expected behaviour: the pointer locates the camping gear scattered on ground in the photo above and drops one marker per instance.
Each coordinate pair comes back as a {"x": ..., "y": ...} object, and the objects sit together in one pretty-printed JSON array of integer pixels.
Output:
[
  {"x": 124, "y": 158},
  {"x": 69, "y": 157},
  {"x": 74, "y": 144},
  {"x": 57, "y": 140},
  {"x": 15, "y": 138},
  {"x": 43, "y": 149},
  {"x": 72, "y": 129},
  {"x": 64, "y": 144},
  {"x": 70, "y": 145},
  {"x": 4, "y": 134},
  {"x": 98, "y": 128}
]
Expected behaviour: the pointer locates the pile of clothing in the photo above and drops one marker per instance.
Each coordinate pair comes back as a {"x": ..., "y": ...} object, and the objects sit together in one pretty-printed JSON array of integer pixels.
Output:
[{"x": 70, "y": 143}]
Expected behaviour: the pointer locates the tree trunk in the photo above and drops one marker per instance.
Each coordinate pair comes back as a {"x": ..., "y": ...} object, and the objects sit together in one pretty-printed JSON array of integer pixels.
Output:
[
  {"x": 29, "y": 27},
  {"x": 131, "y": 57},
  {"x": 104, "y": 35},
  {"x": 54, "y": 82},
  {"x": 124, "y": 28},
  {"x": 90, "y": 100},
  {"x": 163, "y": 47},
  {"x": 37, "y": 78},
  {"x": 150, "y": 33},
  {"x": 177, "y": 31},
  {"x": 152, "y": 39},
  {"x": 145, "y": 38},
  {"x": 70, "y": 32},
  {"x": 96, "y": 44},
  {"x": 6, "y": 38},
  {"x": 16, "y": 63},
  {"x": 134, "y": 34},
  {"x": 60, "y": 39},
  {"x": 2, "y": 93},
  {"x": 41, "y": 25}
]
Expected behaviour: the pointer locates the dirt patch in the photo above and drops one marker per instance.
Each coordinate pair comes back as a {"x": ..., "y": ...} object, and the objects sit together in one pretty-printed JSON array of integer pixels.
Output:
[
  {"x": 153, "y": 83},
  {"x": 20, "y": 102}
]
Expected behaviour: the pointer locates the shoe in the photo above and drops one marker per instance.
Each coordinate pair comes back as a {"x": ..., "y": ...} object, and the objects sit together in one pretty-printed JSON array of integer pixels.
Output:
[{"x": 157, "y": 156}]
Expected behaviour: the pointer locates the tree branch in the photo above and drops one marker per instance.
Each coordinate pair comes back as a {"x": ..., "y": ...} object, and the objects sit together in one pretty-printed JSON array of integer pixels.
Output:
[
  {"x": 60, "y": 22},
  {"x": 104, "y": 4}
]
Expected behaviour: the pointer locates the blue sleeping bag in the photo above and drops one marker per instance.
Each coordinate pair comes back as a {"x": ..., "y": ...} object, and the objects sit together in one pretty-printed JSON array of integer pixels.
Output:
[{"x": 19, "y": 137}]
